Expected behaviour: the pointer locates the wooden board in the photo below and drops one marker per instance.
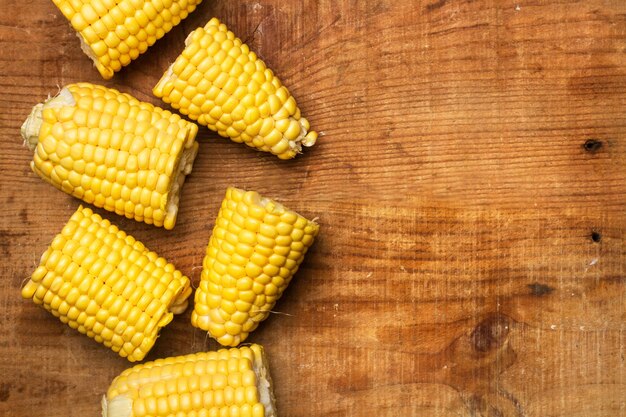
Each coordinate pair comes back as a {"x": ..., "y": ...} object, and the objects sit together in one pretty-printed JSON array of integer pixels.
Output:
[{"x": 470, "y": 183}]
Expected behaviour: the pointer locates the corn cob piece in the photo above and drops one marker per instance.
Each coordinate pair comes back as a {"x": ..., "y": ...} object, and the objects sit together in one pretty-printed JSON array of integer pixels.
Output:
[
  {"x": 220, "y": 83},
  {"x": 107, "y": 285},
  {"x": 256, "y": 247},
  {"x": 229, "y": 382},
  {"x": 113, "y": 151},
  {"x": 114, "y": 32}
]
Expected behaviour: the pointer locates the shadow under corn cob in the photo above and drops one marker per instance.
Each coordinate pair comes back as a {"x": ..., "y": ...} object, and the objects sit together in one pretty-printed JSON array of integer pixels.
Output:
[
  {"x": 113, "y": 151},
  {"x": 220, "y": 83},
  {"x": 108, "y": 285},
  {"x": 114, "y": 32}
]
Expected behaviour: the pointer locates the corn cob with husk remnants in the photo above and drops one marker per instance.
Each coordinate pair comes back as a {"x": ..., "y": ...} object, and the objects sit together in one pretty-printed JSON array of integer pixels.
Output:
[
  {"x": 256, "y": 247},
  {"x": 220, "y": 83},
  {"x": 114, "y": 32},
  {"x": 113, "y": 151},
  {"x": 229, "y": 382}
]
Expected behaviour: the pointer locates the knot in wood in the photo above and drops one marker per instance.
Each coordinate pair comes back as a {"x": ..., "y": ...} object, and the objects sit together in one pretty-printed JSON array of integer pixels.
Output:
[
  {"x": 490, "y": 333},
  {"x": 592, "y": 145}
]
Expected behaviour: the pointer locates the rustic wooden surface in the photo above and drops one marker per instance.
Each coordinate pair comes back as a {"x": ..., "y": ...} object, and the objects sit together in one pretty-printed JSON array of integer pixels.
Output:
[{"x": 470, "y": 182}]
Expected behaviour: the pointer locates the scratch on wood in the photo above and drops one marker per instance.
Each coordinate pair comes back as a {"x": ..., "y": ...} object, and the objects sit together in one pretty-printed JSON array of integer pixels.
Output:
[
  {"x": 257, "y": 30},
  {"x": 516, "y": 403},
  {"x": 448, "y": 31}
]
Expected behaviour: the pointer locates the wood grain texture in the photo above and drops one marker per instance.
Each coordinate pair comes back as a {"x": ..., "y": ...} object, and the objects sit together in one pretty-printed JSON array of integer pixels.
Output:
[{"x": 470, "y": 183}]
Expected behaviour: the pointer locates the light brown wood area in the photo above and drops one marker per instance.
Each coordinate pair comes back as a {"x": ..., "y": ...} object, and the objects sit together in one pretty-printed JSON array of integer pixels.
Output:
[{"x": 470, "y": 183}]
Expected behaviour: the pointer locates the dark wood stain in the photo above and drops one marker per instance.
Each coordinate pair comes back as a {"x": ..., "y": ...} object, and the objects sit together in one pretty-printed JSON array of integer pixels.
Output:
[
  {"x": 7, "y": 240},
  {"x": 539, "y": 290},
  {"x": 478, "y": 406},
  {"x": 436, "y": 5},
  {"x": 5, "y": 391},
  {"x": 24, "y": 215}
]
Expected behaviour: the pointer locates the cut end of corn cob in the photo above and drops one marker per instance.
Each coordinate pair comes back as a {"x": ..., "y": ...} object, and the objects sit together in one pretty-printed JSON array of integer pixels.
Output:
[
  {"x": 107, "y": 285},
  {"x": 220, "y": 83},
  {"x": 231, "y": 382},
  {"x": 32, "y": 125},
  {"x": 113, "y": 33},
  {"x": 107, "y": 72},
  {"x": 256, "y": 247},
  {"x": 113, "y": 151}
]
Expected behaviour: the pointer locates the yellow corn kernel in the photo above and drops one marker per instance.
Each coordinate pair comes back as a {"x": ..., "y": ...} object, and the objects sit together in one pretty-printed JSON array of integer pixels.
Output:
[
  {"x": 86, "y": 277},
  {"x": 228, "y": 382},
  {"x": 90, "y": 140},
  {"x": 246, "y": 264},
  {"x": 232, "y": 92},
  {"x": 114, "y": 32}
]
